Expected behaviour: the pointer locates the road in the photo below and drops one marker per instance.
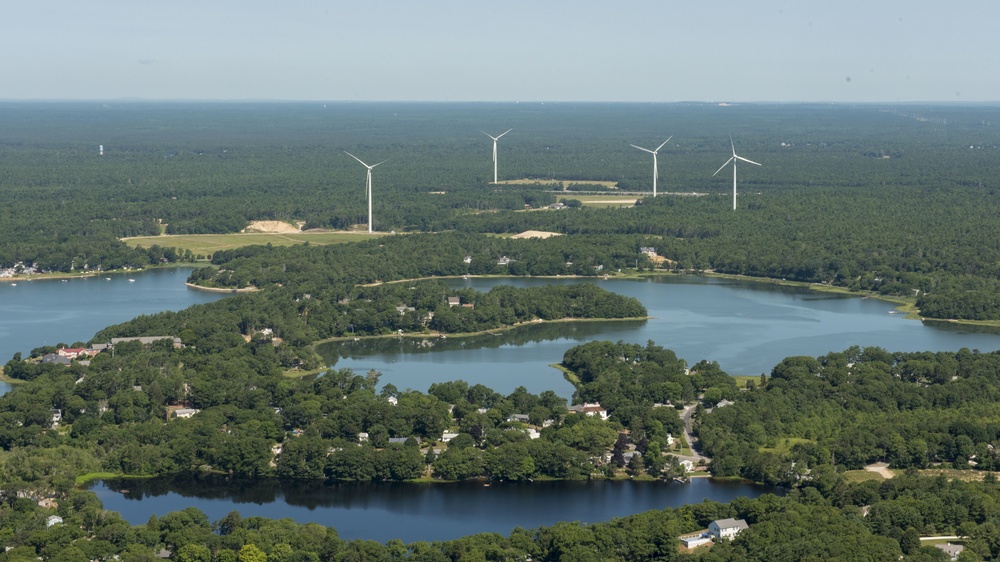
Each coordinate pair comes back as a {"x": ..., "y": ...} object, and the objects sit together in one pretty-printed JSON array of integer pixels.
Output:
[{"x": 691, "y": 439}]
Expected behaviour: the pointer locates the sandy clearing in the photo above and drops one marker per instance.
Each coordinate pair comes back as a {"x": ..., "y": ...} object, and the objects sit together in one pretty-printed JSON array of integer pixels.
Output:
[
  {"x": 881, "y": 468},
  {"x": 271, "y": 227},
  {"x": 536, "y": 234}
]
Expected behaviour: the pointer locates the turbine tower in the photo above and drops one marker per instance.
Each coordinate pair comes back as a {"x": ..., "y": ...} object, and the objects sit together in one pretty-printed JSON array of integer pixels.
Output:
[
  {"x": 656, "y": 172},
  {"x": 733, "y": 159},
  {"x": 495, "y": 139},
  {"x": 368, "y": 186}
]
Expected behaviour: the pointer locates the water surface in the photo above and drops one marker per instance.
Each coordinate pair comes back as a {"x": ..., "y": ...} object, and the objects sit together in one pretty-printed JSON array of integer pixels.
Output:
[
  {"x": 407, "y": 511},
  {"x": 747, "y": 327}
]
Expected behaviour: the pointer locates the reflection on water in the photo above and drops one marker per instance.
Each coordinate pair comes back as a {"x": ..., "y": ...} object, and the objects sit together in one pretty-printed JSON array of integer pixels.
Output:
[
  {"x": 410, "y": 511},
  {"x": 747, "y": 327},
  {"x": 515, "y": 337}
]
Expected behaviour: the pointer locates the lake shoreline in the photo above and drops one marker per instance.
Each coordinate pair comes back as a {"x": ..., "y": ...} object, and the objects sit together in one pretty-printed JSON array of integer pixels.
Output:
[
  {"x": 61, "y": 276},
  {"x": 221, "y": 289}
]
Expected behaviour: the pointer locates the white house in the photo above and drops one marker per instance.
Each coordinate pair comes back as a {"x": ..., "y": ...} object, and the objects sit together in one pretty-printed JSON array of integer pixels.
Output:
[
  {"x": 951, "y": 550},
  {"x": 726, "y": 528},
  {"x": 185, "y": 412},
  {"x": 53, "y": 520},
  {"x": 448, "y": 436}
]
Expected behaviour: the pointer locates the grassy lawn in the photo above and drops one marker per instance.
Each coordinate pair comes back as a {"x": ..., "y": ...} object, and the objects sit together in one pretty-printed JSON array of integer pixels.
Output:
[
  {"x": 741, "y": 380},
  {"x": 206, "y": 244}
]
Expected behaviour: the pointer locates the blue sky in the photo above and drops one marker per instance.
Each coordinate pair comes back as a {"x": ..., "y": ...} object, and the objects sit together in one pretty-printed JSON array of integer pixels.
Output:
[{"x": 505, "y": 50}]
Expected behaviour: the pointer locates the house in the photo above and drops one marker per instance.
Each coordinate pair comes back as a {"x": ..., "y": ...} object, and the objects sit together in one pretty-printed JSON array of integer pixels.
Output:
[
  {"x": 589, "y": 409},
  {"x": 362, "y": 437},
  {"x": 727, "y": 528},
  {"x": 448, "y": 436},
  {"x": 185, "y": 412},
  {"x": 53, "y": 520},
  {"x": 454, "y": 301},
  {"x": 523, "y": 418},
  {"x": 504, "y": 260},
  {"x": 952, "y": 550},
  {"x": 724, "y": 403},
  {"x": 403, "y": 440},
  {"x": 687, "y": 464},
  {"x": 56, "y": 416},
  {"x": 401, "y": 309},
  {"x": 533, "y": 433},
  {"x": 392, "y": 400},
  {"x": 467, "y": 259},
  {"x": 56, "y": 358},
  {"x": 72, "y": 352},
  {"x": 48, "y": 503}
]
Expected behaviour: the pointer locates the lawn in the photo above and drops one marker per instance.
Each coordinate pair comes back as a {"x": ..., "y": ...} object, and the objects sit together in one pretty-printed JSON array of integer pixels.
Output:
[{"x": 206, "y": 244}]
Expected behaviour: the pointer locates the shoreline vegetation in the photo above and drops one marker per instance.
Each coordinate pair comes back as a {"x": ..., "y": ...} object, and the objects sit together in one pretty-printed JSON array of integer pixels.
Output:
[{"x": 60, "y": 275}]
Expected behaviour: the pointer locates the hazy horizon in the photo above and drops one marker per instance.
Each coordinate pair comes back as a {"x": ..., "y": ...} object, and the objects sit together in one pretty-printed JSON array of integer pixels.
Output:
[{"x": 771, "y": 51}]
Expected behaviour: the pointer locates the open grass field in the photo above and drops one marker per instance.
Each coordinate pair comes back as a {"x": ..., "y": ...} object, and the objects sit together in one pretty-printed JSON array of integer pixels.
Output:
[{"x": 206, "y": 244}]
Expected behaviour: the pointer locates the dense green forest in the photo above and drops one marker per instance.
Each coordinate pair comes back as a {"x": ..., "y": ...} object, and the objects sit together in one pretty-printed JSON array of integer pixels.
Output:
[{"x": 894, "y": 199}]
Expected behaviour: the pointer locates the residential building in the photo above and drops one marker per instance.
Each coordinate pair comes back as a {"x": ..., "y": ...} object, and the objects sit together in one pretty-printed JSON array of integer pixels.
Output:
[
  {"x": 951, "y": 550},
  {"x": 727, "y": 528},
  {"x": 590, "y": 409}
]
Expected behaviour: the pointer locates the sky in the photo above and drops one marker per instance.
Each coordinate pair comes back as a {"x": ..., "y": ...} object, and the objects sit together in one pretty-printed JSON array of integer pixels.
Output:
[{"x": 504, "y": 50}]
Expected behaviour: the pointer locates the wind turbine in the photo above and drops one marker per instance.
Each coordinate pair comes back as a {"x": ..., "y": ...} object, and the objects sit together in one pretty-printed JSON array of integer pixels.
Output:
[
  {"x": 368, "y": 186},
  {"x": 733, "y": 159},
  {"x": 656, "y": 172},
  {"x": 495, "y": 139}
]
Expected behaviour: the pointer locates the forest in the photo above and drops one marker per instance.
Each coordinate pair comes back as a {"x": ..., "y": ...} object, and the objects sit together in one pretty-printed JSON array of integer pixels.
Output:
[
  {"x": 893, "y": 200},
  {"x": 897, "y": 200}
]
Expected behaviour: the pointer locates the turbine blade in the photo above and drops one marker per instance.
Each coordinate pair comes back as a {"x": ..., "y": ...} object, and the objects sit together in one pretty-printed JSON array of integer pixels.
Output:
[
  {"x": 664, "y": 142},
  {"x": 356, "y": 158},
  {"x": 747, "y": 161},
  {"x": 723, "y": 166},
  {"x": 489, "y": 135},
  {"x": 383, "y": 162},
  {"x": 733, "y": 146},
  {"x": 643, "y": 149},
  {"x": 504, "y": 133}
]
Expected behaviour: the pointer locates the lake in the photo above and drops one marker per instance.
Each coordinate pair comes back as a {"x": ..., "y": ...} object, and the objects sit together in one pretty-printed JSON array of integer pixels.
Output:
[
  {"x": 47, "y": 312},
  {"x": 747, "y": 327},
  {"x": 407, "y": 511}
]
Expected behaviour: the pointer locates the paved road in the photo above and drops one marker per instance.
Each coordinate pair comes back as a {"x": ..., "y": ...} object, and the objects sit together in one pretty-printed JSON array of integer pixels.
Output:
[{"x": 691, "y": 439}]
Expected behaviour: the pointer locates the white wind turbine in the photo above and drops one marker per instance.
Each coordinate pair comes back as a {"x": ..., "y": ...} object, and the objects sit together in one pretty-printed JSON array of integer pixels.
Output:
[
  {"x": 368, "y": 186},
  {"x": 495, "y": 139},
  {"x": 656, "y": 171},
  {"x": 733, "y": 159}
]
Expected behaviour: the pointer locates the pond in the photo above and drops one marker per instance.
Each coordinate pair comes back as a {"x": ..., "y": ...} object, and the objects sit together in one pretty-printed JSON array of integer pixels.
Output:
[
  {"x": 747, "y": 327},
  {"x": 407, "y": 511}
]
